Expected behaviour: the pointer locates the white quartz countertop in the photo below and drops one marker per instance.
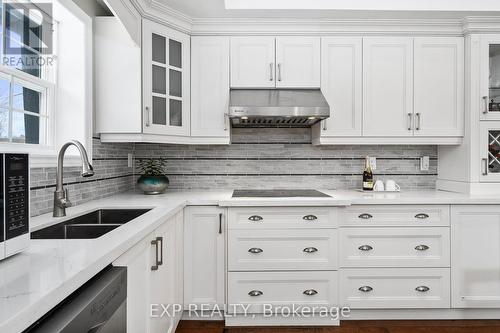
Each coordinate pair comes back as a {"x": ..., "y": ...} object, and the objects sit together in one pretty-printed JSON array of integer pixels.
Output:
[{"x": 36, "y": 280}]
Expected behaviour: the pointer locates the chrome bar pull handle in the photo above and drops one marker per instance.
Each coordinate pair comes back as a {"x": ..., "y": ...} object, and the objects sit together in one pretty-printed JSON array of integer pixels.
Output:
[
  {"x": 155, "y": 243},
  {"x": 325, "y": 125},
  {"x": 255, "y": 293},
  {"x": 365, "y": 289},
  {"x": 365, "y": 248},
  {"x": 421, "y": 247},
  {"x": 486, "y": 106},
  {"x": 422, "y": 289},
  {"x": 310, "y": 292},
  {"x": 310, "y": 250},
  {"x": 485, "y": 166},
  {"x": 279, "y": 72},
  {"x": 409, "y": 121},
  {"x": 148, "y": 120},
  {"x": 226, "y": 121},
  {"x": 419, "y": 120},
  {"x": 159, "y": 241},
  {"x": 271, "y": 67},
  {"x": 220, "y": 223},
  {"x": 255, "y": 218},
  {"x": 255, "y": 250}
]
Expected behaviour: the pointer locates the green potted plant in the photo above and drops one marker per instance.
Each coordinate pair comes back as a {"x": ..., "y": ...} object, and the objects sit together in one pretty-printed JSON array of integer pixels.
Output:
[{"x": 153, "y": 179}]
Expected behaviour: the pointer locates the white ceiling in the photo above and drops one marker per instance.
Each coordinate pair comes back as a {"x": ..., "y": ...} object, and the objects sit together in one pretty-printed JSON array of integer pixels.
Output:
[{"x": 461, "y": 8}]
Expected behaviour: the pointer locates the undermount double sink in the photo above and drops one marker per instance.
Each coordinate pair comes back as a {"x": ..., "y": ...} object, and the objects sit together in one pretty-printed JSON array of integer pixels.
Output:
[{"x": 89, "y": 226}]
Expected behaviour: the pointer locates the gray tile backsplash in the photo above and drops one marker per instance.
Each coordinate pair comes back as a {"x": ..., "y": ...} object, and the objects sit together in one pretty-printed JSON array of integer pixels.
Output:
[{"x": 257, "y": 158}]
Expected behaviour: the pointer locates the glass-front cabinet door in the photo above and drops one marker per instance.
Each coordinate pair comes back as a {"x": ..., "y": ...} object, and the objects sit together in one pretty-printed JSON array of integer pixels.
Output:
[
  {"x": 166, "y": 80},
  {"x": 490, "y": 151},
  {"x": 490, "y": 82}
]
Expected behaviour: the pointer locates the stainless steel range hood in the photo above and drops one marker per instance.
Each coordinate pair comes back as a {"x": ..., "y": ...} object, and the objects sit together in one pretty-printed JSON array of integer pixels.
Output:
[{"x": 277, "y": 107}]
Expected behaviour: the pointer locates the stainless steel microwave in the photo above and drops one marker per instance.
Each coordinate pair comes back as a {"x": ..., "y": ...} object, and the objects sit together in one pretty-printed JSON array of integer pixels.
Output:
[{"x": 14, "y": 203}]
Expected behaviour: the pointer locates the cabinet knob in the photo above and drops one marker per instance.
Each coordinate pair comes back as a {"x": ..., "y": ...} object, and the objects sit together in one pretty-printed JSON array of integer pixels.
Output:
[
  {"x": 255, "y": 293},
  {"x": 365, "y": 289},
  {"x": 365, "y": 248},
  {"x": 421, "y": 247},
  {"x": 310, "y": 250},
  {"x": 310, "y": 218},
  {"x": 310, "y": 292},
  {"x": 422, "y": 216},
  {"x": 365, "y": 216},
  {"x": 422, "y": 289},
  {"x": 255, "y": 250},
  {"x": 255, "y": 218}
]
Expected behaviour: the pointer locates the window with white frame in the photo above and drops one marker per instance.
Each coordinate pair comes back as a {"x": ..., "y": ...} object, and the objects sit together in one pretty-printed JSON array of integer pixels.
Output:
[{"x": 27, "y": 73}]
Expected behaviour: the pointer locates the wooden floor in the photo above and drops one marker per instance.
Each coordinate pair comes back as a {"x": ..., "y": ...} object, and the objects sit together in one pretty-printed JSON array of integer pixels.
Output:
[{"x": 407, "y": 326}]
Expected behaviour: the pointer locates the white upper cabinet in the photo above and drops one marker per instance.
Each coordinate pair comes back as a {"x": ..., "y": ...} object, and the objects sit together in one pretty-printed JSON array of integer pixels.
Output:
[
  {"x": 298, "y": 62},
  {"x": 490, "y": 77},
  {"x": 166, "y": 73},
  {"x": 252, "y": 62},
  {"x": 387, "y": 86},
  {"x": 439, "y": 86},
  {"x": 210, "y": 87},
  {"x": 475, "y": 254},
  {"x": 341, "y": 83},
  {"x": 281, "y": 62}
]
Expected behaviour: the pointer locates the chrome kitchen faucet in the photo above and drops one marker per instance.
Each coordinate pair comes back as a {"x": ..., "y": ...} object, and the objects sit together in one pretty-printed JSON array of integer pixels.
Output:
[{"x": 61, "y": 200}]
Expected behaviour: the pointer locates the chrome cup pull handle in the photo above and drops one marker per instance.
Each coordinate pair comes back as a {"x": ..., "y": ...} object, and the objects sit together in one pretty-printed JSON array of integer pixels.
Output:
[
  {"x": 365, "y": 289},
  {"x": 365, "y": 216},
  {"x": 255, "y": 250},
  {"x": 255, "y": 293},
  {"x": 422, "y": 289},
  {"x": 310, "y": 250},
  {"x": 255, "y": 218},
  {"x": 421, "y": 247},
  {"x": 365, "y": 248},
  {"x": 422, "y": 216},
  {"x": 310, "y": 292},
  {"x": 310, "y": 218}
]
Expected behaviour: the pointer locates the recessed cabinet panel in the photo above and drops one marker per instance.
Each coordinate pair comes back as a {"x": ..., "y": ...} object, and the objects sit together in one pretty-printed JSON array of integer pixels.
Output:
[
  {"x": 341, "y": 83},
  {"x": 490, "y": 151},
  {"x": 252, "y": 62},
  {"x": 210, "y": 68},
  {"x": 166, "y": 73},
  {"x": 439, "y": 89},
  {"x": 387, "y": 86},
  {"x": 298, "y": 62},
  {"x": 490, "y": 77}
]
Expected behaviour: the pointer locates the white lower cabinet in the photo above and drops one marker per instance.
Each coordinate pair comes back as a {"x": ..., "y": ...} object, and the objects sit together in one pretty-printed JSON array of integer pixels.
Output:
[
  {"x": 475, "y": 266},
  {"x": 204, "y": 256},
  {"x": 395, "y": 288},
  {"x": 261, "y": 289},
  {"x": 154, "y": 278}
]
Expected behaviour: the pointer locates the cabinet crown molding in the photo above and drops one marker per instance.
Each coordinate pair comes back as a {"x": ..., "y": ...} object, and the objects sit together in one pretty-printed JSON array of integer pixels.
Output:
[{"x": 157, "y": 11}]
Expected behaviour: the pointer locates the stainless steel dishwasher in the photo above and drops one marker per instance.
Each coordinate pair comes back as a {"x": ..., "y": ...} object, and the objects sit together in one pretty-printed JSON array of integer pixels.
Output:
[{"x": 99, "y": 306}]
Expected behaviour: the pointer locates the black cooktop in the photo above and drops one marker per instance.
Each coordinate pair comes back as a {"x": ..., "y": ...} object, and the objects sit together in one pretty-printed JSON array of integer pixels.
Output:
[{"x": 279, "y": 194}]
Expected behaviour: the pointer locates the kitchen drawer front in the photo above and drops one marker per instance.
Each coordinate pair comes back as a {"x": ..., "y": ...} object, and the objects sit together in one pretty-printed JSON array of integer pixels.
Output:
[
  {"x": 394, "y": 247},
  {"x": 394, "y": 288},
  {"x": 254, "y": 218},
  {"x": 395, "y": 215},
  {"x": 282, "y": 289},
  {"x": 292, "y": 249}
]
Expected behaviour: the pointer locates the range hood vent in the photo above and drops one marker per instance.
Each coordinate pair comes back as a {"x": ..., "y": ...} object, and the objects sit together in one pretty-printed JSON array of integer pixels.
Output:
[{"x": 277, "y": 107}]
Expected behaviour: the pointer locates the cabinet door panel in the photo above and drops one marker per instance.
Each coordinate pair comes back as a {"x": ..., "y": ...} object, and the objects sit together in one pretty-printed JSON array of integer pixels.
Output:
[
  {"x": 298, "y": 62},
  {"x": 204, "y": 255},
  {"x": 475, "y": 253},
  {"x": 387, "y": 86},
  {"x": 439, "y": 89},
  {"x": 341, "y": 83},
  {"x": 490, "y": 77},
  {"x": 252, "y": 62},
  {"x": 210, "y": 69},
  {"x": 166, "y": 71}
]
